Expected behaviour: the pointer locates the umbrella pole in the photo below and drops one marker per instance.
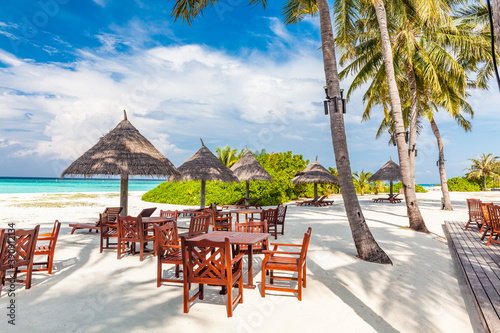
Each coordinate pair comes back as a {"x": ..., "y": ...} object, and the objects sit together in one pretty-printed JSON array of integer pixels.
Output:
[
  {"x": 247, "y": 195},
  {"x": 391, "y": 186},
  {"x": 124, "y": 195},
  {"x": 315, "y": 190},
  {"x": 202, "y": 198}
]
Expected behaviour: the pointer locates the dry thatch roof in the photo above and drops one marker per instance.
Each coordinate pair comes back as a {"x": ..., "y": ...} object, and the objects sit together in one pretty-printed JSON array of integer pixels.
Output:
[
  {"x": 204, "y": 165},
  {"x": 248, "y": 168},
  {"x": 314, "y": 173},
  {"x": 123, "y": 151},
  {"x": 389, "y": 171}
]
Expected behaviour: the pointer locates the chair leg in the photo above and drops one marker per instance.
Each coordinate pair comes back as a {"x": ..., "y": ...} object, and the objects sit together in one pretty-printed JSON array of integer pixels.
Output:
[
  {"x": 186, "y": 297},
  {"x": 304, "y": 275},
  {"x": 489, "y": 239},
  {"x": 299, "y": 285},
  {"x": 263, "y": 282},
  {"x": 158, "y": 273},
  {"x": 229, "y": 301},
  {"x": 467, "y": 225},
  {"x": 50, "y": 259},
  {"x": 485, "y": 232}
]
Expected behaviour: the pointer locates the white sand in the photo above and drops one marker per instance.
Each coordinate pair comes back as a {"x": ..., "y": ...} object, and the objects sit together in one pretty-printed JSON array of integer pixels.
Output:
[{"x": 424, "y": 291}]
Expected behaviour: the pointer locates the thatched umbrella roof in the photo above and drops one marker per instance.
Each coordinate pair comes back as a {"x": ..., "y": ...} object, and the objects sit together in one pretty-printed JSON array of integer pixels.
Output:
[
  {"x": 123, "y": 151},
  {"x": 314, "y": 173},
  {"x": 390, "y": 171},
  {"x": 248, "y": 168},
  {"x": 204, "y": 165}
]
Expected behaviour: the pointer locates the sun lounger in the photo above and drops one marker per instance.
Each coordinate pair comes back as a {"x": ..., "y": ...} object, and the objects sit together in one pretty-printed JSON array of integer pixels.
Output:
[
  {"x": 319, "y": 202},
  {"x": 307, "y": 202},
  {"x": 392, "y": 198},
  {"x": 112, "y": 212}
]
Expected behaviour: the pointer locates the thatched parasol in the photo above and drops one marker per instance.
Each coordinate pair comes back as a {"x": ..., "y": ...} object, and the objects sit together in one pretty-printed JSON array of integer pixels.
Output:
[
  {"x": 248, "y": 168},
  {"x": 123, "y": 151},
  {"x": 314, "y": 173},
  {"x": 389, "y": 171},
  {"x": 204, "y": 165}
]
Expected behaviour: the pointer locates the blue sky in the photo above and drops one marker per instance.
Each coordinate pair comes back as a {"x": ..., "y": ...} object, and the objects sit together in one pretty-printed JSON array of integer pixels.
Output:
[{"x": 237, "y": 76}]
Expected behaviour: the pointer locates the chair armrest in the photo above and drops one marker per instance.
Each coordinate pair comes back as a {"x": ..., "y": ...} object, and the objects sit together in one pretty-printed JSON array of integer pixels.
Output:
[
  {"x": 174, "y": 246},
  {"x": 45, "y": 238},
  {"x": 187, "y": 228},
  {"x": 237, "y": 258},
  {"x": 49, "y": 234},
  {"x": 281, "y": 244},
  {"x": 280, "y": 252}
]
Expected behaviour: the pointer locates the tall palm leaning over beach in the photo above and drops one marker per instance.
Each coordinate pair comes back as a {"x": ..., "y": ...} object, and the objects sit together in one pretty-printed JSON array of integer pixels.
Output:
[
  {"x": 293, "y": 11},
  {"x": 429, "y": 77},
  {"x": 484, "y": 166}
]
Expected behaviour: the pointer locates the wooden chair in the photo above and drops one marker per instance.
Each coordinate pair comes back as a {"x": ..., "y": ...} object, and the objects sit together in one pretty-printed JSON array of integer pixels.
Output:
[
  {"x": 254, "y": 227},
  {"x": 494, "y": 215},
  {"x": 207, "y": 262},
  {"x": 280, "y": 220},
  {"x": 168, "y": 250},
  {"x": 47, "y": 249},
  {"x": 147, "y": 212},
  {"x": 198, "y": 225},
  {"x": 475, "y": 213},
  {"x": 113, "y": 213},
  {"x": 109, "y": 231},
  {"x": 239, "y": 203},
  {"x": 169, "y": 213},
  {"x": 486, "y": 219},
  {"x": 18, "y": 251},
  {"x": 271, "y": 217},
  {"x": 307, "y": 202},
  {"x": 291, "y": 262},
  {"x": 131, "y": 231},
  {"x": 220, "y": 221}
]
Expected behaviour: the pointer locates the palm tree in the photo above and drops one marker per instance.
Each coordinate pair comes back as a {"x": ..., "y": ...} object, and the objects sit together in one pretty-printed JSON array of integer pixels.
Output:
[
  {"x": 379, "y": 186},
  {"x": 361, "y": 180},
  {"x": 294, "y": 11},
  {"x": 484, "y": 166},
  {"x": 227, "y": 155},
  {"x": 429, "y": 75}
]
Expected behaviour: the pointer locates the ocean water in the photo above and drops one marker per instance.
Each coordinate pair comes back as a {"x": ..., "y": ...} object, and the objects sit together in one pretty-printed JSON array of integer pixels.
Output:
[{"x": 58, "y": 185}]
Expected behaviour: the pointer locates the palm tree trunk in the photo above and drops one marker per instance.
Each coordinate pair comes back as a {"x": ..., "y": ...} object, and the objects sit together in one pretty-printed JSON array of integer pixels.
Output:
[
  {"x": 366, "y": 246},
  {"x": 416, "y": 221},
  {"x": 412, "y": 83},
  {"x": 495, "y": 8},
  {"x": 484, "y": 183},
  {"x": 442, "y": 170}
]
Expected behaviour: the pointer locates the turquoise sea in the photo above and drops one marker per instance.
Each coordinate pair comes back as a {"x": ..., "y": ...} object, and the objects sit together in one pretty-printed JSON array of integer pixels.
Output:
[{"x": 58, "y": 185}]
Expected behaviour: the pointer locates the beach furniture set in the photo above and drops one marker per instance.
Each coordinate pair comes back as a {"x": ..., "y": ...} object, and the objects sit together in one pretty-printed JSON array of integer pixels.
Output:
[
  {"x": 317, "y": 201},
  {"x": 211, "y": 258},
  {"x": 392, "y": 198},
  {"x": 20, "y": 251},
  {"x": 484, "y": 217}
]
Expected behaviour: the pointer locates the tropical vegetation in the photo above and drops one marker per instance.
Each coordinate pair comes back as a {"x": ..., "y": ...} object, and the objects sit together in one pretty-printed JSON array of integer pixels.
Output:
[{"x": 484, "y": 167}]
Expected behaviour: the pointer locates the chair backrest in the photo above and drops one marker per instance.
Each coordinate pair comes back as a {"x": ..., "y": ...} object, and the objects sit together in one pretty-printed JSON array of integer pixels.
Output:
[
  {"x": 199, "y": 225},
  {"x": 255, "y": 202},
  {"x": 395, "y": 195},
  {"x": 113, "y": 213},
  {"x": 147, "y": 212},
  {"x": 54, "y": 235},
  {"x": 305, "y": 245},
  {"x": 130, "y": 227},
  {"x": 206, "y": 262},
  {"x": 105, "y": 224},
  {"x": 322, "y": 198},
  {"x": 254, "y": 227},
  {"x": 475, "y": 212},
  {"x": 270, "y": 215},
  {"x": 166, "y": 236},
  {"x": 486, "y": 214},
  {"x": 18, "y": 248},
  {"x": 281, "y": 214},
  {"x": 494, "y": 215},
  {"x": 169, "y": 213}
]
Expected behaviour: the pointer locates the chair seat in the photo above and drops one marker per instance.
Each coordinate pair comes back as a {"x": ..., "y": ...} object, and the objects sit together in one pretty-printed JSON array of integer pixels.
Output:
[
  {"x": 111, "y": 232},
  {"x": 42, "y": 248},
  {"x": 172, "y": 257},
  {"x": 283, "y": 263}
]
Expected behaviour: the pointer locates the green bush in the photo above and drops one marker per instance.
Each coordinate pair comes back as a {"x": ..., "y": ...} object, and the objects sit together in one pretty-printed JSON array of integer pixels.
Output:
[
  {"x": 396, "y": 187},
  {"x": 462, "y": 184},
  {"x": 281, "y": 167}
]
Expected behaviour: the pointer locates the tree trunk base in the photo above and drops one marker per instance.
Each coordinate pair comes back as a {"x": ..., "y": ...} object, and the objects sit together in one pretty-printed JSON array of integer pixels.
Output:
[{"x": 376, "y": 256}]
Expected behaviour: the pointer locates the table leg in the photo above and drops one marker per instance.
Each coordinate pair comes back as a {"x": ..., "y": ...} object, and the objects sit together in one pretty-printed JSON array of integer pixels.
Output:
[{"x": 250, "y": 284}]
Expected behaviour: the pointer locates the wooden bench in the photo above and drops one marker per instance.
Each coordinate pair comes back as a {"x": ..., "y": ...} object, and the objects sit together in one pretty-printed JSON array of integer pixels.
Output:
[{"x": 481, "y": 267}]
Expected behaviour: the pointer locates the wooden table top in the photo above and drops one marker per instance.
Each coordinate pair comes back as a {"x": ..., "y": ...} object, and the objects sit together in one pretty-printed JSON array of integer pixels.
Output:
[
  {"x": 157, "y": 219},
  {"x": 242, "y": 238},
  {"x": 244, "y": 211}
]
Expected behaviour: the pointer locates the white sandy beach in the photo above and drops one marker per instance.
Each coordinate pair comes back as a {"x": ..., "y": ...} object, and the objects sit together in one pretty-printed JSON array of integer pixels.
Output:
[{"x": 424, "y": 291}]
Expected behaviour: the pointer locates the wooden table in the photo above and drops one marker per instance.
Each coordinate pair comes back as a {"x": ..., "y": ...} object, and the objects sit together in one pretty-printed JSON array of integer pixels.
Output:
[
  {"x": 238, "y": 238},
  {"x": 244, "y": 211}
]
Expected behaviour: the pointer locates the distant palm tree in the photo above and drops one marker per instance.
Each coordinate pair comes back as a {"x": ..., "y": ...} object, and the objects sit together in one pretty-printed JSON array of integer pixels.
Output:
[
  {"x": 361, "y": 181},
  {"x": 379, "y": 186},
  {"x": 484, "y": 166},
  {"x": 227, "y": 155}
]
